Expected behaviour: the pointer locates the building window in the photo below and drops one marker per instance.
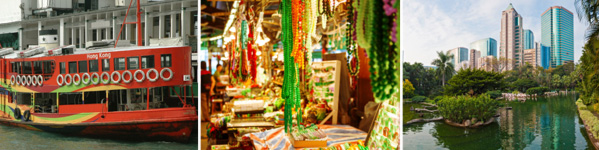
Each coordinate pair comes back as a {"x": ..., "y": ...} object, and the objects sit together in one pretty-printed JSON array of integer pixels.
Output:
[
  {"x": 73, "y": 67},
  {"x": 93, "y": 66},
  {"x": 82, "y": 66},
  {"x": 133, "y": 63},
  {"x": 62, "y": 68},
  {"x": 147, "y": 61},
  {"x": 119, "y": 64},
  {"x": 165, "y": 60},
  {"x": 105, "y": 65}
]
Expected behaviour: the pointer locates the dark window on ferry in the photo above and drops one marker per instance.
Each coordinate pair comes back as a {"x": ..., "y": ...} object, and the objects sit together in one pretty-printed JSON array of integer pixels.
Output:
[
  {"x": 165, "y": 60},
  {"x": 133, "y": 63},
  {"x": 93, "y": 65},
  {"x": 73, "y": 67},
  {"x": 13, "y": 67},
  {"x": 82, "y": 66},
  {"x": 18, "y": 67},
  {"x": 27, "y": 67},
  {"x": 105, "y": 65},
  {"x": 48, "y": 67},
  {"x": 63, "y": 68},
  {"x": 37, "y": 67},
  {"x": 119, "y": 64},
  {"x": 147, "y": 61}
]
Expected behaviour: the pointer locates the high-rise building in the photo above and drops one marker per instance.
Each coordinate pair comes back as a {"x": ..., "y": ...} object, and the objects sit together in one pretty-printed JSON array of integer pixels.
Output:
[
  {"x": 486, "y": 63},
  {"x": 486, "y": 46},
  {"x": 557, "y": 32},
  {"x": 460, "y": 54},
  {"x": 474, "y": 55},
  {"x": 545, "y": 52},
  {"x": 530, "y": 57},
  {"x": 511, "y": 38},
  {"x": 529, "y": 39}
]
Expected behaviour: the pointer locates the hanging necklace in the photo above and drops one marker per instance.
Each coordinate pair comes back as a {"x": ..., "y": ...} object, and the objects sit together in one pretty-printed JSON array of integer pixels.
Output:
[
  {"x": 362, "y": 35},
  {"x": 349, "y": 34}
]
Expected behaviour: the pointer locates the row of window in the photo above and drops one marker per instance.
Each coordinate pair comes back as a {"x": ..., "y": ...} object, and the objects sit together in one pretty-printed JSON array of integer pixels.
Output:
[
  {"x": 36, "y": 67},
  {"x": 121, "y": 63}
]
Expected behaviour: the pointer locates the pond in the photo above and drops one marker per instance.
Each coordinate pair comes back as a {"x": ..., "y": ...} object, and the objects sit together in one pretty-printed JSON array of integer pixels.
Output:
[{"x": 547, "y": 123}]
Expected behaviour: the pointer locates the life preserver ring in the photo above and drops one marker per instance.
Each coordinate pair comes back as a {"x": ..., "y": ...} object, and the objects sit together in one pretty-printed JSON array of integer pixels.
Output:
[
  {"x": 169, "y": 71},
  {"x": 143, "y": 76},
  {"x": 96, "y": 76},
  {"x": 107, "y": 78},
  {"x": 59, "y": 80},
  {"x": 24, "y": 80},
  {"x": 155, "y": 72},
  {"x": 26, "y": 116},
  {"x": 40, "y": 80},
  {"x": 89, "y": 78},
  {"x": 130, "y": 76},
  {"x": 17, "y": 113},
  {"x": 12, "y": 80},
  {"x": 69, "y": 80},
  {"x": 113, "y": 79},
  {"x": 78, "y": 81},
  {"x": 33, "y": 80}
]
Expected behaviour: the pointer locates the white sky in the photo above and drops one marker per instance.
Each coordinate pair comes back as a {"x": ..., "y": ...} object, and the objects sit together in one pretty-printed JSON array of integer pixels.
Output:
[{"x": 428, "y": 26}]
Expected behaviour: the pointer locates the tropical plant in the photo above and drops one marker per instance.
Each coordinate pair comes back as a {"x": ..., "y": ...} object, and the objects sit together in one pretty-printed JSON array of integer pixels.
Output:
[
  {"x": 460, "y": 108},
  {"x": 589, "y": 61},
  {"x": 444, "y": 66},
  {"x": 423, "y": 79},
  {"x": 473, "y": 82},
  {"x": 408, "y": 89},
  {"x": 494, "y": 94},
  {"x": 524, "y": 84}
]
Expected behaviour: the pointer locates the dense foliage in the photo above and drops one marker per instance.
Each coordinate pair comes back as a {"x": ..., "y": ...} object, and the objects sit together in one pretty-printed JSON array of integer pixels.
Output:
[
  {"x": 524, "y": 84},
  {"x": 460, "y": 108},
  {"x": 537, "y": 90},
  {"x": 473, "y": 82},
  {"x": 418, "y": 99},
  {"x": 424, "y": 80},
  {"x": 588, "y": 117},
  {"x": 588, "y": 72},
  {"x": 494, "y": 94},
  {"x": 408, "y": 89}
]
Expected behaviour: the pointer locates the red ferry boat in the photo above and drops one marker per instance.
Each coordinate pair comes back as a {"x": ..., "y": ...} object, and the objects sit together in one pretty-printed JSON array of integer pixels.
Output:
[{"x": 107, "y": 93}]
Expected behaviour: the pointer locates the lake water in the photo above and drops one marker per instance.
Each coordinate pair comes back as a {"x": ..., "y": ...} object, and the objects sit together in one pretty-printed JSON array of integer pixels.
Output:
[
  {"x": 15, "y": 138},
  {"x": 548, "y": 123}
]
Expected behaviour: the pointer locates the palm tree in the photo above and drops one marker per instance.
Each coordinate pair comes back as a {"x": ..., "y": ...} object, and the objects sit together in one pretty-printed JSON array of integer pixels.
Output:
[
  {"x": 444, "y": 65},
  {"x": 589, "y": 11}
]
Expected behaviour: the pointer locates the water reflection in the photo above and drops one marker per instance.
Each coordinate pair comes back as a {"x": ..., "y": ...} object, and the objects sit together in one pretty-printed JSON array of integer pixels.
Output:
[{"x": 550, "y": 123}]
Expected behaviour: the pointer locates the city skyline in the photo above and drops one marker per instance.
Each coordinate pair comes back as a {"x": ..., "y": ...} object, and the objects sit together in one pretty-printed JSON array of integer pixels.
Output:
[{"x": 457, "y": 24}]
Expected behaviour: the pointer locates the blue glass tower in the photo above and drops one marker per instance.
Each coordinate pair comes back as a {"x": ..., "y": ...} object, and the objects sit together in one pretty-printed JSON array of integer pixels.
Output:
[
  {"x": 557, "y": 32},
  {"x": 529, "y": 39},
  {"x": 545, "y": 56},
  {"x": 486, "y": 46}
]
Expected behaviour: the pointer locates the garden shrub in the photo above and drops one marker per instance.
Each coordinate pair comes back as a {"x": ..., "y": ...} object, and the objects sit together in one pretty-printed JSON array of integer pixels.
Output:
[
  {"x": 438, "y": 98},
  {"x": 460, "y": 108},
  {"x": 494, "y": 94},
  {"x": 591, "y": 120},
  {"x": 418, "y": 99},
  {"x": 537, "y": 90}
]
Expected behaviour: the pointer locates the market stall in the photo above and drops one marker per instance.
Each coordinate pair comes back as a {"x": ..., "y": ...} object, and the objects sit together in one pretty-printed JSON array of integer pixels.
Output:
[{"x": 285, "y": 87}]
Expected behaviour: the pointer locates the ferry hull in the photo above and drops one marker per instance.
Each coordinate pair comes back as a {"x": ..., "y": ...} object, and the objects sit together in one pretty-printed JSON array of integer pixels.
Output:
[{"x": 158, "y": 129}]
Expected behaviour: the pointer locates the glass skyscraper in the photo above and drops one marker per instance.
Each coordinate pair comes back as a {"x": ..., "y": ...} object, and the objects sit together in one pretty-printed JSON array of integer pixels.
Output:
[
  {"x": 557, "y": 32},
  {"x": 486, "y": 46},
  {"x": 529, "y": 39},
  {"x": 545, "y": 52}
]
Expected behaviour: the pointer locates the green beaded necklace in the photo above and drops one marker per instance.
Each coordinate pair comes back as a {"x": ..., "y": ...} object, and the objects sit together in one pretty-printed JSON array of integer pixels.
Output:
[
  {"x": 382, "y": 54},
  {"x": 290, "y": 90},
  {"x": 363, "y": 36}
]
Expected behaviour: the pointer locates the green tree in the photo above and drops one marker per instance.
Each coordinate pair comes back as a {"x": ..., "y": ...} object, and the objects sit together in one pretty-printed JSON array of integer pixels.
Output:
[
  {"x": 525, "y": 84},
  {"x": 408, "y": 89},
  {"x": 423, "y": 79},
  {"x": 474, "y": 82},
  {"x": 444, "y": 66},
  {"x": 556, "y": 81}
]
